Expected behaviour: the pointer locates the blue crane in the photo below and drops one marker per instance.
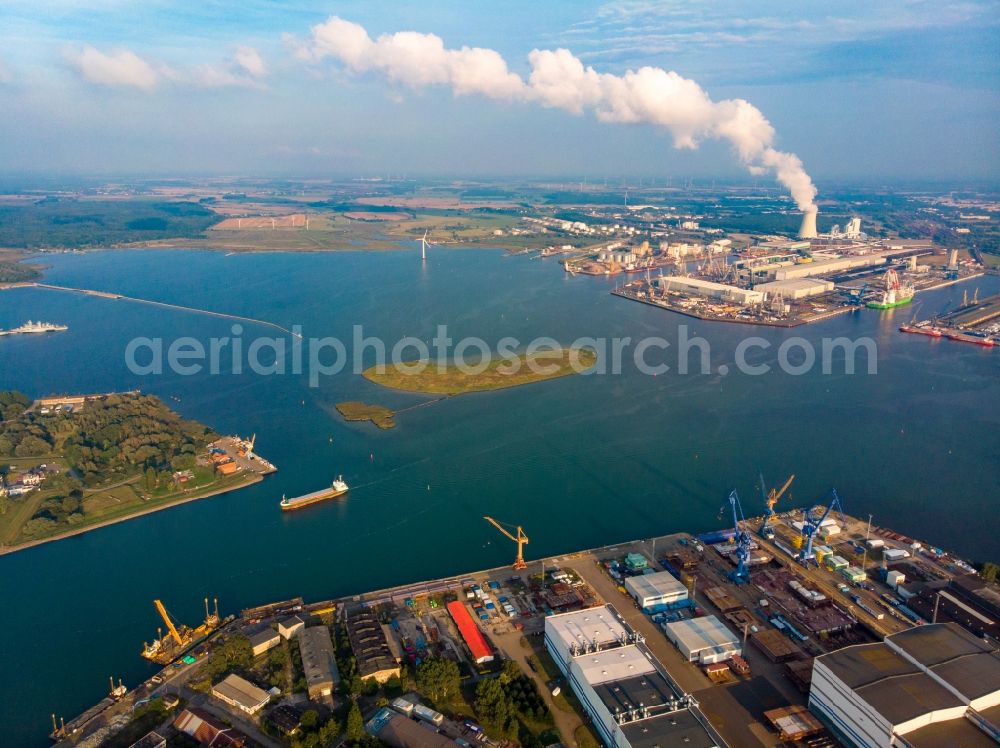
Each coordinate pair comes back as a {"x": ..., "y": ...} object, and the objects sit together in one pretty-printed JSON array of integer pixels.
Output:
[
  {"x": 810, "y": 525},
  {"x": 741, "y": 539}
]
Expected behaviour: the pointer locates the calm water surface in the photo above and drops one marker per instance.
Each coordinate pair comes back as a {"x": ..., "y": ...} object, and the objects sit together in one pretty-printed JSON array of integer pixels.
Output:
[{"x": 579, "y": 462}]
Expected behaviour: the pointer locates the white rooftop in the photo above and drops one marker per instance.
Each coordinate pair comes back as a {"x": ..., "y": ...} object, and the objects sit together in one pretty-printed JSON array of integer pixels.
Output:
[
  {"x": 702, "y": 633},
  {"x": 585, "y": 627},
  {"x": 662, "y": 583},
  {"x": 613, "y": 665}
]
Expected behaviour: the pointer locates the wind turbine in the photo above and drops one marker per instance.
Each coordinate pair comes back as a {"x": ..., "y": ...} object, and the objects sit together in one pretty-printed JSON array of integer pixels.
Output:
[{"x": 423, "y": 247}]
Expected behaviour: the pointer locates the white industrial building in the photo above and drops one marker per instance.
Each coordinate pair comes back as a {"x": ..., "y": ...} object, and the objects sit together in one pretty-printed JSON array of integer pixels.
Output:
[
  {"x": 241, "y": 694},
  {"x": 703, "y": 640},
  {"x": 932, "y": 685},
  {"x": 824, "y": 266},
  {"x": 658, "y": 591},
  {"x": 630, "y": 699},
  {"x": 709, "y": 289},
  {"x": 572, "y": 634},
  {"x": 795, "y": 288}
]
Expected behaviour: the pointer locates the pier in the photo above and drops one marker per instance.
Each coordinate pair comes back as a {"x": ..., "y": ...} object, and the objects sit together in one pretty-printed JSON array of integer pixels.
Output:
[{"x": 165, "y": 305}]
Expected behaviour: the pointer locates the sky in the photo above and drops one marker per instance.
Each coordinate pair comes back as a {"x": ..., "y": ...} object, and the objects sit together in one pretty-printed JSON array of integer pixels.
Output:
[{"x": 898, "y": 89}]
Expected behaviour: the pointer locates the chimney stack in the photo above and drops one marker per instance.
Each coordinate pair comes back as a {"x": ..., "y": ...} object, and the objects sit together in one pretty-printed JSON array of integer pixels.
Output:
[{"x": 808, "y": 228}]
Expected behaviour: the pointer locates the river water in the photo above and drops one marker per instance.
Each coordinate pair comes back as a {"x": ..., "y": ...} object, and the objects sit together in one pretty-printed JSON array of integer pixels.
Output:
[{"x": 579, "y": 462}]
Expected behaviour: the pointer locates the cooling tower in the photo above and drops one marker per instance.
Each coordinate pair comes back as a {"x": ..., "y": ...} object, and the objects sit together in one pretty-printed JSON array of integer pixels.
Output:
[{"x": 808, "y": 229}]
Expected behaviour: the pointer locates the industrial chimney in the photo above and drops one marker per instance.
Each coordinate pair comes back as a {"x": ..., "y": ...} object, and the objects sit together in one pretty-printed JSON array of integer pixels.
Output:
[{"x": 808, "y": 228}]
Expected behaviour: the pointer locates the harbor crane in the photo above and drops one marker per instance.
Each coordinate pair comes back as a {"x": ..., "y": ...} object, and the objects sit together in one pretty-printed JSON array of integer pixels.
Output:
[
  {"x": 742, "y": 539},
  {"x": 773, "y": 495},
  {"x": 811, "y": 524},
  {"x": 521, "y": 539},
  {"x": 170, "y": 624}
]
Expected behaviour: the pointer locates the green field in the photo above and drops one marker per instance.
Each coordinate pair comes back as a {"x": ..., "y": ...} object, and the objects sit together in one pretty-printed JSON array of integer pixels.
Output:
[
  {"x": 352, "y": 410},
  {"x": 499, "y": 373},
  {"x": 115, "y": 457}
]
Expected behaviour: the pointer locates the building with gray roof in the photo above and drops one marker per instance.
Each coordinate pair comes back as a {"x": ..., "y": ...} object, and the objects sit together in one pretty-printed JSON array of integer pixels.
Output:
[{"x": 932, "y": 685}]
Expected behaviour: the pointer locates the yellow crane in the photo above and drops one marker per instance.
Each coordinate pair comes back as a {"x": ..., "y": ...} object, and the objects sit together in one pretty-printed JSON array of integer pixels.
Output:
[
  {"x": 772, "y": 498},
  {"x": 170, "y": 624},
  {"x": 521, "y": 539}
]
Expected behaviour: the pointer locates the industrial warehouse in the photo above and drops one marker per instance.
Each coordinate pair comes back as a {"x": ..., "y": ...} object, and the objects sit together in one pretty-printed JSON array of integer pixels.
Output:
[
  {"x": 929, "y": 686},
  {"x": 657, "y": 591},
  {"x": 628, "y": 695}
]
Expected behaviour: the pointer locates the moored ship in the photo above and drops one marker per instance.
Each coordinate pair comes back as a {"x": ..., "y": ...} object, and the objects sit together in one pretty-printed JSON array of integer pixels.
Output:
[
  {"x": 895, "y": 293},
  {"x": 337, "y": 488},
  {"x": 964, "y": 337},
  {"x": 921, "y": 329},
  {"x": 32, "y": 328}
]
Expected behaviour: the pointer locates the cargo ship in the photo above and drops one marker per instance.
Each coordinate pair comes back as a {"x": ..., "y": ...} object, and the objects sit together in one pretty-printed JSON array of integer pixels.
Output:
[
  {"x": 963, "y": 337},
  {"x": 32, "y": 328},
  {"x": 921, "y": 329},
  {"x": 894, "y": 294},
  {"x": 337, "y": 488}
]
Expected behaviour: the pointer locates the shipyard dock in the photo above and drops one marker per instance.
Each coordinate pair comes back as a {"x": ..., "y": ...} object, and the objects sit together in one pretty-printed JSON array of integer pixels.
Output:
[{"x": 677, "y": 593}]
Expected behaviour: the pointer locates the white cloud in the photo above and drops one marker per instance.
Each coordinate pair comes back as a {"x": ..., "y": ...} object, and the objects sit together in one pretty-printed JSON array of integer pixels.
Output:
[
  {"x": 117, "y": 69},
  {"x": 250, "y": 61},
  {"x": 125, "y": 69}
]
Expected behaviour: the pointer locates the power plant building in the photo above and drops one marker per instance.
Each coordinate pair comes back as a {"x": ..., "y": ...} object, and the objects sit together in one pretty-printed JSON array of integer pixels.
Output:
[
  {"x": 808, "y": 228},
  {"x": 658, "y": 591},
  {"x": 932, "y": 685},
  {"x": 709, "y": 289},
  {"x": 631, "y": 700}
]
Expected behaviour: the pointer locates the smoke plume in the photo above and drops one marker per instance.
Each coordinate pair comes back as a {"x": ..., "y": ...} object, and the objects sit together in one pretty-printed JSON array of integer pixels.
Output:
[{"x": 560, "y": 80}]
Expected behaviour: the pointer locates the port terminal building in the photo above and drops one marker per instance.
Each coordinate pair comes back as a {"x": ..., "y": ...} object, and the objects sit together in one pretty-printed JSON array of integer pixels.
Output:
[
  {"x": 630, "y": 697},
  {"x": 930, "y": 686}
]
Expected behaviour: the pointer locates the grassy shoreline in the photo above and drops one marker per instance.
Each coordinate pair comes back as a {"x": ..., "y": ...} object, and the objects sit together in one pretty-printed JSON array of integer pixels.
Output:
[
  {"x": 160, "y": 505},
  {"x": 498, "y": 375}
]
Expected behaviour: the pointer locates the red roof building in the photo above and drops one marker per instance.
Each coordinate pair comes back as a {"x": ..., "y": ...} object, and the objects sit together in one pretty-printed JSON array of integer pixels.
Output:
[{"x": 474, "y": 639}]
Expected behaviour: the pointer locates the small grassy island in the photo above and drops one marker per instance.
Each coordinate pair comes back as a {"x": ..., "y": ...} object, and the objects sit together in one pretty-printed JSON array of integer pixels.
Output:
[
  {"x": 353, "y": 410},
  {"x": 499, "y": 374},
  {"x": 68, "y": 464}
]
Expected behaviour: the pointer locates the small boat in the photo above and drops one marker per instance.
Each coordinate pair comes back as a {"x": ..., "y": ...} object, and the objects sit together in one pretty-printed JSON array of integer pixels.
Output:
[{"x": 337, "y": 488}]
